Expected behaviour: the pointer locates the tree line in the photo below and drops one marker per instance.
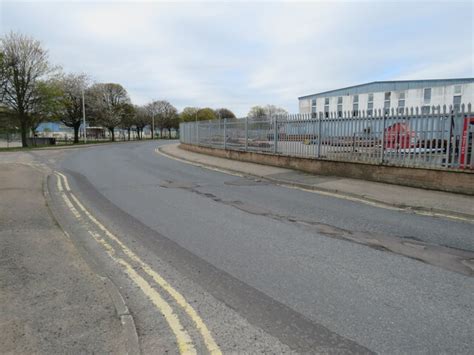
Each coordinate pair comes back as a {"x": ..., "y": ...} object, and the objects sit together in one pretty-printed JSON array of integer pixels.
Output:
[{"x": 32, "y": 91}]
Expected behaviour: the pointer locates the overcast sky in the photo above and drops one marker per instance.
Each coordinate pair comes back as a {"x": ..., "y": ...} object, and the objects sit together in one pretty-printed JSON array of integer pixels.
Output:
[{"x": 240, "y": 54}]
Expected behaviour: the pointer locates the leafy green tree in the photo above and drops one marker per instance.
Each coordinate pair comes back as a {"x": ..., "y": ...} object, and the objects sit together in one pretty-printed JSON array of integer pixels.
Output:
[
  {"x": 188, "y": 114},
  {"x": 224, "y": 113},
  {"x": 206, "y": 114},
  {"x": 49, "y": 106}
]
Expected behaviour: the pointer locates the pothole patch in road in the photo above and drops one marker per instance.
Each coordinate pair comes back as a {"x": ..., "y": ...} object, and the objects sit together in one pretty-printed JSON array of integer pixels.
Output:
[
  {"x": 169, "y": 184},
  {"x": 246, "y": 182},
  {"x": 452, "y": 259}
]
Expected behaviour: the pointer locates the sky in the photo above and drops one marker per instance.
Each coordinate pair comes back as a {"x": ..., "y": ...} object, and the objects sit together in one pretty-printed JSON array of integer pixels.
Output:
[{"x": 240, "y": 54}]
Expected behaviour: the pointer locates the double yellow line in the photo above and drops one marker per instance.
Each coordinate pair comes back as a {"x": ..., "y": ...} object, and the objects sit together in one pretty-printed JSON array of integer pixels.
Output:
[{"x": 184, "y": 341}]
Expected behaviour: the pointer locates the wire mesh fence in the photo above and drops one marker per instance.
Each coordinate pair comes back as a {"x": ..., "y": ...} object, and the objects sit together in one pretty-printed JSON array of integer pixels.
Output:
[
  {"x": 431, "y": 137},
  {"x": 10, "y": 139}
]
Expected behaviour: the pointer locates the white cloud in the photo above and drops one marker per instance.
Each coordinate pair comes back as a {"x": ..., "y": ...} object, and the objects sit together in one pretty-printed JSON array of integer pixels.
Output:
[{"x": 240, "y": 54}]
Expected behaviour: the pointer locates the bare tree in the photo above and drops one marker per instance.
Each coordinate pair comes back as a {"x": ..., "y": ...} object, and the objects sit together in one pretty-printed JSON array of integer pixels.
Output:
[
  {"x": 72, "y": 86},
  {"x": 266, "y": 112},
  {"x": 107, "y": 106},
  {"x": 24, "y": 64},
  {"x": 152, "y": 110},
  {"x": 129, "y": 118},
  {"x": 3, "y": 75},
  {"x": 272, "y": 111},
  {"x": 142, "y": 119},
  {"x": 165, "y": 115},
  {"x": 257, "y": 112}
]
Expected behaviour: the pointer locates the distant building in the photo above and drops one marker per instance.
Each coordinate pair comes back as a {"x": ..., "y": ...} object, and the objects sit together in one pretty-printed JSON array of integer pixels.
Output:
[{"x": 385, "y": 95}]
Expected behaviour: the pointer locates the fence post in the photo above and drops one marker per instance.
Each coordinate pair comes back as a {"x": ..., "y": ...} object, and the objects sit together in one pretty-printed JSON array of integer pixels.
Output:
[
  {"x": 197, "y": 132},
  {"x": 246, "y": 133},
  {"x": 209, "y": 140},
  {"x": 319, "y": 135},
  {"x": 275, "y": 136},
  {"x": 225, "y": 133},
  {"x": 382, "y": 152}
]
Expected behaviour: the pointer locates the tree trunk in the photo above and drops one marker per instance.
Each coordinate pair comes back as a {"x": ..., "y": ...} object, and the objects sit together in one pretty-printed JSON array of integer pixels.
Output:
[
  {"x": 161, "y": 133},
  {"x": 112, "y": 130},
  {"x": 128, "y": 130},
  {"x": 24, "y": 132},
  {"x": 76, "y": 134},
  {"x": 169, "y": 133}
]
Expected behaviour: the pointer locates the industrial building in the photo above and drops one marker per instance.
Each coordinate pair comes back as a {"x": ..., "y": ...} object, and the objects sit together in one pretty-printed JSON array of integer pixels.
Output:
[{"x": 387, "y": 95}]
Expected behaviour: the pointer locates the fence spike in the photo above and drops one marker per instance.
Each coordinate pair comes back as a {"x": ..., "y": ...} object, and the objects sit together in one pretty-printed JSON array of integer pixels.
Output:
[
  {"x": 462, "y": 108},
  {"x": 469, "y": 108}
]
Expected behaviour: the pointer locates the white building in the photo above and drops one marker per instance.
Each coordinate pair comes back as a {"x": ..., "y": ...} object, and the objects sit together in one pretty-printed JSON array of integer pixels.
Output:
[{"x": 391, "y": 94}]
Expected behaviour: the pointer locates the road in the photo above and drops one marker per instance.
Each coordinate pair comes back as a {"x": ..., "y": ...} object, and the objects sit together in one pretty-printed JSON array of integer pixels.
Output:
[{"x": 263, "y": 265}]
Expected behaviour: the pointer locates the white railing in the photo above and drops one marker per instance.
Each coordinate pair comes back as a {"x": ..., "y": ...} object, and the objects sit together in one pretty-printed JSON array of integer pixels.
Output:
[{"x": 432, "y": 137}]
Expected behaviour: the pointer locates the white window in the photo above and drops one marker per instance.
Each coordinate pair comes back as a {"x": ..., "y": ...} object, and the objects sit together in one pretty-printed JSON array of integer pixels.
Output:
[
  {"x": 326, "y": 107},
  {"x": 313, "y": 107},
  {"x": 339, "y": 106},
  {"x": 386, "y": 103},
  {"x": 427, "y": 95},
  {"x": 370, "y": 104},
  {"x": 457, "y": 103},
  {"x": 355, "y": 105},
  {"x": 401, "y": 102},
  {"x": 457, "y": 89}
]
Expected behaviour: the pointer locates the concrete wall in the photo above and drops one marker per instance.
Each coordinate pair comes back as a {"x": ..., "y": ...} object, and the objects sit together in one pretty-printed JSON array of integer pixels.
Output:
[{"x": 441, "y": 180}]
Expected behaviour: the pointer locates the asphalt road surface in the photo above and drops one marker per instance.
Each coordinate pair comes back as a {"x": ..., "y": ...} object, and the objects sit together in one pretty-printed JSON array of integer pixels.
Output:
[{"x": 265, "y": 266}]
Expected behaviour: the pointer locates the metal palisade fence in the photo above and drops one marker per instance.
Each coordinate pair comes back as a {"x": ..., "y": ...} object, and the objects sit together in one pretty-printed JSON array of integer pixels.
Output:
[{"x": 431, "y": 137}]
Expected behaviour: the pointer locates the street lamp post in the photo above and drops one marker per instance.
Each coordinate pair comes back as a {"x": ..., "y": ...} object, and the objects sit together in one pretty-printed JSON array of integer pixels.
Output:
[
  {"x": 84, "y": 117},
  {"x": 152, "y": 124}
]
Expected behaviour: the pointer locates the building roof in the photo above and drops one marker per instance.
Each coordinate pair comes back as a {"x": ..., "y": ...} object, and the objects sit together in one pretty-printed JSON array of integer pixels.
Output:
[{"x": 396, "y": 85}]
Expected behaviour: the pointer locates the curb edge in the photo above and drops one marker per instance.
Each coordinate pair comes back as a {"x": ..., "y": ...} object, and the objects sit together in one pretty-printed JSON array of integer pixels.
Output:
[{"x": 129, "y": 330}]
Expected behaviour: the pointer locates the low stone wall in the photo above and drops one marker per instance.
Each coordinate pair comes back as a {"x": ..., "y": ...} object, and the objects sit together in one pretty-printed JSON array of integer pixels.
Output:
[{"x": 441, "y": 180}]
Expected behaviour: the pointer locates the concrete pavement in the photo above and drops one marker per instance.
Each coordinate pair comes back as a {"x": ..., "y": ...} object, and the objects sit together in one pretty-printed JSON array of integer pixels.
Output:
[
  {"x": 51, "y": 300},
  {"x": 408, "y": 198}
]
